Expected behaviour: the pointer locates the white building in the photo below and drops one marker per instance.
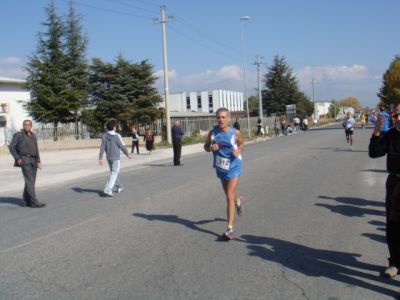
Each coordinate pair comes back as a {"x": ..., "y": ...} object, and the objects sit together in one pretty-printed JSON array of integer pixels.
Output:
[
  {"x": 12, "y": 113},
  {"x": 204, "y": 102},
  {"x": 322, "y": 108}
]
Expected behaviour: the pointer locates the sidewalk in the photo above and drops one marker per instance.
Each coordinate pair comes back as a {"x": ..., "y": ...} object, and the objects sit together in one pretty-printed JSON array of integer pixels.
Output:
[{"x": 63, "y": 166}]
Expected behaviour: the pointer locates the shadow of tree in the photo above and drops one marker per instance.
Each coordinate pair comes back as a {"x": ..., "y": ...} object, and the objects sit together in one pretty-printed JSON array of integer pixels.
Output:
[
  {"x": 13, "y": 201},
  {"x": 175, "y": 219},
  {"x": 339, "y": 266}
]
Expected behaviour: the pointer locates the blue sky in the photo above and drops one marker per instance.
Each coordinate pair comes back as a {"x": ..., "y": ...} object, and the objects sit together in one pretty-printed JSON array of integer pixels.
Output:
[{"x": 346, "y": 45}]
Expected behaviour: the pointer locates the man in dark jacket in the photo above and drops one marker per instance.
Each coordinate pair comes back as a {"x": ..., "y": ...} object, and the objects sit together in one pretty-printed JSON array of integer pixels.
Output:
[
  {"x": 389, "y": 143},
  {"x": 177, "y": 134},
  {"x": 24, "y": 149}
]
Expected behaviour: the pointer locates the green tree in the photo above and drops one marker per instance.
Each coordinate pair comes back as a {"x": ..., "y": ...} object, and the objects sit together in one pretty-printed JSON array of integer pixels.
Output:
[
  {"x": 253, "y": 105},
  {"x": 75, "y": 67},
  {"x": 46, "y": 79},
  {"x": 390, "y": 90},
  {"x": 281, "y": 89},
  {"x": 334, "y": 109},
  {"x": 124, "y": 91}
]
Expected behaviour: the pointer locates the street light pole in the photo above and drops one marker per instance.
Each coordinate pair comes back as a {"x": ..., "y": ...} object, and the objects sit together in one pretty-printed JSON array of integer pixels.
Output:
[
  {"x": 260, "y": 108},
  {"x": 242, "y": 19}
]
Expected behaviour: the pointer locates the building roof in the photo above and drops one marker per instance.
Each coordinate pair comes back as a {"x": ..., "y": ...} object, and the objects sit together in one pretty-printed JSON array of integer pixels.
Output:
[{"x": 11, "y": 80}]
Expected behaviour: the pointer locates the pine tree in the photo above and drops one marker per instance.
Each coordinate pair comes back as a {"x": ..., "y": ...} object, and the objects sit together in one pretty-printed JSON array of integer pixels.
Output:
[
  {"x": 75, "y": 67},
  {"x": 390, "y": 90},
  {"x": 124, "y": 91},
  {"x": 46, "y": 79},
  {"x": 281, "y": 89}
]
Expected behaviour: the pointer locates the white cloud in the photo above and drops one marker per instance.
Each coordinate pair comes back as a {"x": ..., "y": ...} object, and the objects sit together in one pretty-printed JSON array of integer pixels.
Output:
[
  {"x": 338, "y": 82},
  {"x": 12, "y": 67}
]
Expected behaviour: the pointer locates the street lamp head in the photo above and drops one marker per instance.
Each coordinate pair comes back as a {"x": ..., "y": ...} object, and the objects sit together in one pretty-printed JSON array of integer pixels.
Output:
[{"x": 244, "y": 18}]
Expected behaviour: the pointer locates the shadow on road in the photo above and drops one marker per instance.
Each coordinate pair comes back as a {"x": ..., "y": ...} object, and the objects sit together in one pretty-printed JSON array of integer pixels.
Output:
[
  {"x": 81, "y": 191},
  {"x": 375, "y": 171},
  {"x": 340, "y": 266},
  {"x": 175, "y": 219},
  {"x": 337, "y": 149},
  {"x": 13, "y": 201},
  {"x": 354, "y": 201},
  {"x": 375, "y": 237},
  {"x": 351, "y": 211}
]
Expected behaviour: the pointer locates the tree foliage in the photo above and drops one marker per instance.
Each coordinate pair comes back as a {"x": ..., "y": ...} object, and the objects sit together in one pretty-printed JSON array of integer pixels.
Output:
[
  {"x": 390, "y": 90},
  {"x": 46, "y": 79},
  {"x": 57, "y": 71},
  {"x": 124, "y": 91},
  {"x": 334, "y": 109},
  {"x": 350, "y": 102},
  {"x": 281, "y": 89}
]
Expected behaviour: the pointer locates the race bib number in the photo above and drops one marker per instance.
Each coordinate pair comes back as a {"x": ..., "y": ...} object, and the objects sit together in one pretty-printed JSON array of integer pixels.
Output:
[{"x": 222, "y": 163}]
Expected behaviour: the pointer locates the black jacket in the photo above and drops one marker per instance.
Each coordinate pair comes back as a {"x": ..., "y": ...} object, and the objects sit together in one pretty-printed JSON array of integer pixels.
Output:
[{"x": 387, "y": 143}]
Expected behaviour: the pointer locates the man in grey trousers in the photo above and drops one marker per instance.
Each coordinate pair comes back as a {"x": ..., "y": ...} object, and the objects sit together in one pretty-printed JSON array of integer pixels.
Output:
[
  {"x": 24, "y": 149},
  {"x": 111, "y": 144}
]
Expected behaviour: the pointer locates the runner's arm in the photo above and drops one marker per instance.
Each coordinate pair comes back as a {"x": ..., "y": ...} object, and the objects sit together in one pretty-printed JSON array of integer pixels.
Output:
[
  {"x": 207, "y": 144},
  {"x": 240, "y": 143}
]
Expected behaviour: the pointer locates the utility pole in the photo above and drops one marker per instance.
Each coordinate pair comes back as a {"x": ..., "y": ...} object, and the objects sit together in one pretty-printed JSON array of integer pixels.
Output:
[
  {"x": 313, "y": 96},
  {"x": 260, "y": 107},
  {"x": 163, "y": 21}
]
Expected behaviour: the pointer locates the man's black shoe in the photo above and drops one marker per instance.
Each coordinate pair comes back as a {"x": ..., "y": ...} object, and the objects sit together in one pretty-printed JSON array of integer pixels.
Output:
[{"x": 37, "y": 205}]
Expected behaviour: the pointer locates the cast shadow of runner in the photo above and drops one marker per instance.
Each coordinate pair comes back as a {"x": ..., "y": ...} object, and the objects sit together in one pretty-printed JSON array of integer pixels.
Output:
[
  {"x": 81, "y": 191},
  {"x": 12, "y": 200},
  {"x": 175, "y": 219},
  {"x": 339, "y": 266}
]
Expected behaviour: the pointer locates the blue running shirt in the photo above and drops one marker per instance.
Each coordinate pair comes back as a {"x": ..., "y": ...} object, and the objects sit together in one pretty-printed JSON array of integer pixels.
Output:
[{"x": 225, "y": 163}]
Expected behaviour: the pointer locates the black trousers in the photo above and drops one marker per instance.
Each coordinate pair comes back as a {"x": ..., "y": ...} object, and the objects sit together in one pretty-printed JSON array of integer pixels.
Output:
[
  {"x": 177, "y": 147},
  {"x": 29, "y": 171},
  {"x": 392, "y": 225},
  {"x": 135, "y": 144}
]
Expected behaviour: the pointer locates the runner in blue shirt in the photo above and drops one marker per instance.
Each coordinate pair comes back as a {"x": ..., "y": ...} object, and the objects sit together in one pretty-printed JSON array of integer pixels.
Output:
[{"x": 226, "y": 143}]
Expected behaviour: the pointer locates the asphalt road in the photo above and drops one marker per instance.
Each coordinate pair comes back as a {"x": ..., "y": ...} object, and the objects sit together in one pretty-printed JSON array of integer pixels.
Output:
[{"x": 313, "y": 229}]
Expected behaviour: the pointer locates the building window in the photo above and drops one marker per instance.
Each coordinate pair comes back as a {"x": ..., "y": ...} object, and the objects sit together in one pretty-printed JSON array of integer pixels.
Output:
[
  {"x": 199, "y": 102},
  {"x": 210, "y": 104},
  {"x": 187, "y": 103}
]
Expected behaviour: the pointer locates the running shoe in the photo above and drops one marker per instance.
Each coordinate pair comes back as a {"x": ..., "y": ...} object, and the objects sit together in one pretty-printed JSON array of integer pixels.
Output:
[
  {"x": 240, "y": 202},
  {"x": 390, "y": 272},
  {"x": 228, "y": 234},
  {"x": 108, "y": 193},
  {"x": 120, "y": 189}
]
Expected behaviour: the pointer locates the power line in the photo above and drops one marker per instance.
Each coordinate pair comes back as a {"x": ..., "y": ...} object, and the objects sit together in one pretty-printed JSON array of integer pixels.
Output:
[
  {"x": 201, "y": 44},
  {"x": 206, "y": 35},
  {"x": 132, "y": 6},
  {"x": 110, "y": 10}
]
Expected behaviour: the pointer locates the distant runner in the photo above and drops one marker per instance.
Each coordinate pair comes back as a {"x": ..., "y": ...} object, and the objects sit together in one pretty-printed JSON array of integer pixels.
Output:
[
  {"x": 348, "y": 126},
  {"x": 226, "y": 143}
]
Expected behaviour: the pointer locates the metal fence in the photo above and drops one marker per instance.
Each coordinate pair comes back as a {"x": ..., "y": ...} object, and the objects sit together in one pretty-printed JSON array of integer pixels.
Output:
[{"x": 193, "y": 126}]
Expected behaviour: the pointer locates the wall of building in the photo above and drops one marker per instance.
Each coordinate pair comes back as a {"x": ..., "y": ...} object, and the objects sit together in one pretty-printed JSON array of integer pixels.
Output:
[
  {"x": 12, "y": 98},
  {"x": 200, "y": 101}
]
